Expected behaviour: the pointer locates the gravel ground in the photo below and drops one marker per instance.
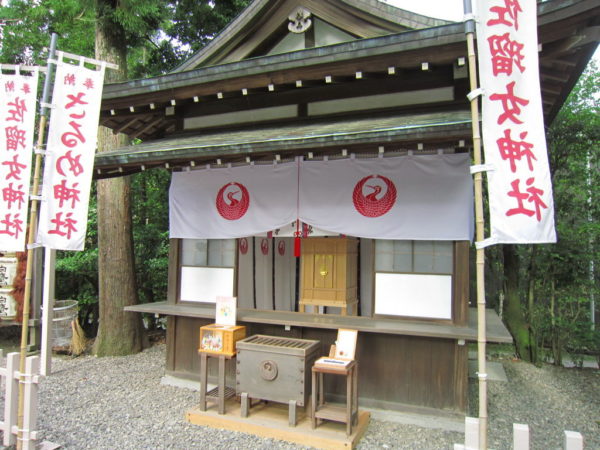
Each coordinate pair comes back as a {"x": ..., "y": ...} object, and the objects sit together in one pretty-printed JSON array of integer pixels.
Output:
[{"x": 119, "y": 403}]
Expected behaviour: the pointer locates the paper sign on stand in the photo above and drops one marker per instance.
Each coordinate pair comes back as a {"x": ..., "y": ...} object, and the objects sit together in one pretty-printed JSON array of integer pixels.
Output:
[{"x": 226, "y": 310}]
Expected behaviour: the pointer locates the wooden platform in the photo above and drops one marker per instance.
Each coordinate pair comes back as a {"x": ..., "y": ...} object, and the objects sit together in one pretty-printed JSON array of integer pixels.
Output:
[{"x": 270, "y": 420}]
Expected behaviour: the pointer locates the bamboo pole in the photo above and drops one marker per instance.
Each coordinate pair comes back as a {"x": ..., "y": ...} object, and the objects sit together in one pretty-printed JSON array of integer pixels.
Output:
[
  {"x": 479, "y": 231},
  {"x": 32, "y": 230}
]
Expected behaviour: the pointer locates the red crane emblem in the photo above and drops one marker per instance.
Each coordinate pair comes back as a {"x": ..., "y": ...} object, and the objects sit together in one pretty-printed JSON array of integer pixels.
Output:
[
  {"x": 379, "y": 201},
  {"x": 243, "y": 246},
  {"x": 233, "y": 201},
  {"x": 281, "y": 248},
  {"x": 264, "y": 247}
]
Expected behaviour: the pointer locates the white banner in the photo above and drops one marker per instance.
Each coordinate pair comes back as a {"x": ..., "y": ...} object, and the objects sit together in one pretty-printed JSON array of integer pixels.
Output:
[
  {"x": 425, "y": 197},
  {"x": 69, "y": 162},
  {"x": 233, "y": 202},
  {"x": 17, "y": 121},
  {"x": 520, "y": 189}
]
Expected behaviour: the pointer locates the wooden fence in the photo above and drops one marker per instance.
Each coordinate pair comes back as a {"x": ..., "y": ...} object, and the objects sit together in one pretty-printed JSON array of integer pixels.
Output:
[
  {"x": 10, "y": 382},
  {"x": 572, "y": 439}
]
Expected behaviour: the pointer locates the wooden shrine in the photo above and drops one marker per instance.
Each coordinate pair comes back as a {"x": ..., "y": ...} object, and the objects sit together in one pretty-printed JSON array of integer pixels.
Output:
[
  {"x": 353, "y": 77},
  {"x": 329, "y": 270}
]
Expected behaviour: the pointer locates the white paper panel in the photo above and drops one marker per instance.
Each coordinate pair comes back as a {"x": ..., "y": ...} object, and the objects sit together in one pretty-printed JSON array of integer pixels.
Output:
[
  {"x": 399, "y": 294},
  {"x": 204, "y": 284}
]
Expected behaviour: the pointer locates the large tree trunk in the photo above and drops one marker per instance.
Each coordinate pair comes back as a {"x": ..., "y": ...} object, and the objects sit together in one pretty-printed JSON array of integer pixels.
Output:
[
  {"x": 119, "y": 332},
  {"x": 513, "y": 311}
]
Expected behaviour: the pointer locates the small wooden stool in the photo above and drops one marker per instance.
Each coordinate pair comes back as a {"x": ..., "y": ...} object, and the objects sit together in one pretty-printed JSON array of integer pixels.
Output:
[
  {"x": 220, "y": 393},
  {"x": 322, "y": 411}
]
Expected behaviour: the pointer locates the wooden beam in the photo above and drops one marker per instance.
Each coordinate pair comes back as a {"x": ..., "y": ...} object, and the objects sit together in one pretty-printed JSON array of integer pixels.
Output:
[
  {"x": 147, "y": 127},
  {"x": 444, "y": 55},
  {"x": 551, "y": 90},
  {"x": 558, "y": 62},
  {"x": 338, "y": 88},
  {"x": 561, "y": 78},
  {"x": 125, "y": 125}
]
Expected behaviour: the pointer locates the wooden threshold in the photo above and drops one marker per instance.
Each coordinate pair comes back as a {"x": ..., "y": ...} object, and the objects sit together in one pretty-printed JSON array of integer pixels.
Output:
[{"x": 270, "y": 420}]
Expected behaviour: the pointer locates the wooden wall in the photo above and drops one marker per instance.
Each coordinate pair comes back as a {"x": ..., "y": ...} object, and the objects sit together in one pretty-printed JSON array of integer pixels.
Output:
[{"x": 395, "y": 372}]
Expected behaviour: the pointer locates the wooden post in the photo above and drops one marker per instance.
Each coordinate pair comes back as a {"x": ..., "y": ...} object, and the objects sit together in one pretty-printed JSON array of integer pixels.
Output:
[
  {"x": 479, "y": 230},
  {"x": 471, "y": 433},
  {"x": 573, "y": 440},
  {"x": 11, "y": 398},
  {"x": 28, "y": 433},
  {"x": 33, "y": 219},
  {"x": 520, "y": 436}
]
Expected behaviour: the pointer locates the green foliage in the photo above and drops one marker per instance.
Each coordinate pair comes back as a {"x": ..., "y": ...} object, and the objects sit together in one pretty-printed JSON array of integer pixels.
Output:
[
  {"x": 132, "y": 22},
  {"x": 559, "y": 275},
  {"x": 196, "y": 22},
  {"x": 158, "y": 35},
  {"x": 187, "y": 26},
  {"x": 150, "y": 233},
  {"x": 28, "y": 26},
  {"x": 568, "y": 329}
]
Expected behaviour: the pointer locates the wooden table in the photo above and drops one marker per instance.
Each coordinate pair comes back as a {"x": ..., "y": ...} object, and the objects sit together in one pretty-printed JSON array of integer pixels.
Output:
[
  {"x": 220, "y": 393},
  {"x": 324, "y": 411}
]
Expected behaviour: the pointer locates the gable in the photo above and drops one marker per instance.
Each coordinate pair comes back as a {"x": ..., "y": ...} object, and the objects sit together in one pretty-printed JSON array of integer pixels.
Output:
[
  {"x": 268, "y": 27},
  {"x": 322, "y": 34}
]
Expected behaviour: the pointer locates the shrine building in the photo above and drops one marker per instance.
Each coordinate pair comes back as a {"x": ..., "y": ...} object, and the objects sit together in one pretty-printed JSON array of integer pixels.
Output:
[{"x": 339, "y": 131}]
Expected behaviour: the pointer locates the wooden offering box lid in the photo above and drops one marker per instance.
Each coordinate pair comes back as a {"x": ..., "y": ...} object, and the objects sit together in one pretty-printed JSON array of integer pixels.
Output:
[{"x": 275, "y": 344}]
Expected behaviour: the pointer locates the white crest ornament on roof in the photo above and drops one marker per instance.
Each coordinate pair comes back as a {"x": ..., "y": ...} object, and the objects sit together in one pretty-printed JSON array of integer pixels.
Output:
[{"x": 299, "y": 20}]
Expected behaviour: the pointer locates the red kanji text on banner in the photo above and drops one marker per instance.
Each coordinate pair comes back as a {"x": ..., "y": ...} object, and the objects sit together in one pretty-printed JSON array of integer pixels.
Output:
[
  {"x": 520, "y": 189},
  {"x": 70, "y": 154},
  {"x": 17, "y": 119}
]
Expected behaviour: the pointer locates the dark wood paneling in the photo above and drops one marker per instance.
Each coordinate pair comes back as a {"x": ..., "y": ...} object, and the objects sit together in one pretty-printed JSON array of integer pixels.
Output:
[
  {"x": 461, "y": 377},
  {"x": 394, "y": 371},
  {"x": 173, "y": 274},
  {"x": 461, "y": 283},
  {"x": 171, "y": 342}
]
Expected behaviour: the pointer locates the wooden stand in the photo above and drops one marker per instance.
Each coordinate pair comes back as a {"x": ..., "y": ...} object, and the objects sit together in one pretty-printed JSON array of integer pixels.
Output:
[
  {"x": 323, "y": 411},
  {"x": 221, "y": 392},
  {"x": 344, "y": 307}
]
